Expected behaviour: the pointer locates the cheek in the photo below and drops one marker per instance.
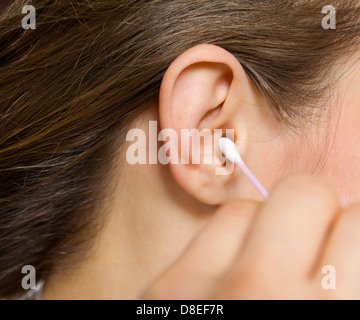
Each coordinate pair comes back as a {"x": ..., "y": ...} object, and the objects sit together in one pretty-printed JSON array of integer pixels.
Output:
[
  {"x": 342, "y": 167},
  {"x": 300, "y": 153},
  {"x": 269, "y": 161}
]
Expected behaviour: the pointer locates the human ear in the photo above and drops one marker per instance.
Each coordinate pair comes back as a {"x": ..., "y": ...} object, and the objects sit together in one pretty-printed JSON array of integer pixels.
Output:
[{"x": 207, "y": 88}]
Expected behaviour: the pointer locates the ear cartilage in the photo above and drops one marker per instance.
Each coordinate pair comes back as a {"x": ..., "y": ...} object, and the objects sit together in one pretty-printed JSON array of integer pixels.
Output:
[{"x": 230, "y": 152}]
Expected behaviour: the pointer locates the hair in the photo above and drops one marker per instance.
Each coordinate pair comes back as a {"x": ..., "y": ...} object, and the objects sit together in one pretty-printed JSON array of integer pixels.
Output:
[{"x": 69, "y": 89}]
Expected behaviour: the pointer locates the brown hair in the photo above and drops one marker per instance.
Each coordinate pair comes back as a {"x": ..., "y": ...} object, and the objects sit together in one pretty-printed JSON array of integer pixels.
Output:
[{"x": 69, "y": 88}]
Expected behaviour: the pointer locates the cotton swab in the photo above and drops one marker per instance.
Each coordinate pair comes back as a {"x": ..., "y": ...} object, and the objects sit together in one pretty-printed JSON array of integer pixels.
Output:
[{"x": 230, "y": 151}]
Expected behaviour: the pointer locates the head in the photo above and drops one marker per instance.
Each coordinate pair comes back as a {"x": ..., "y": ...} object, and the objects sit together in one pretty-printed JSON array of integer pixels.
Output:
[{"x": 71, "y": 90}]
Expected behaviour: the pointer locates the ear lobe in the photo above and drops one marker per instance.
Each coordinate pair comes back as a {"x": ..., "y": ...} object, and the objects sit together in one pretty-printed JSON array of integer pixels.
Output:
[{"x": 205, "y": 88}]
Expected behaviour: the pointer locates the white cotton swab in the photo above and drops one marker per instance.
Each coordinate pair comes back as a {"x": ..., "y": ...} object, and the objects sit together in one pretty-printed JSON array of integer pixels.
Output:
[{"x": 230, "y": 151}]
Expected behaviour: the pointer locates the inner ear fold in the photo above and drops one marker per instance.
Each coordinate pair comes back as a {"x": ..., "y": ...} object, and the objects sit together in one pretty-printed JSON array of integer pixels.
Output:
[{"x": 199, "y": 94}]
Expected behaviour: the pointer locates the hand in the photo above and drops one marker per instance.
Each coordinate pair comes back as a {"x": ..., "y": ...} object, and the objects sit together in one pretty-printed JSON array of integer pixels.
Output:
[{"x": 272, "y": 250}]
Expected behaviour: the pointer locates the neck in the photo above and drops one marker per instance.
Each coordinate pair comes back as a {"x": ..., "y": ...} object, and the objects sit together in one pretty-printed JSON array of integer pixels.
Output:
[{"x": 142, "y": 237}]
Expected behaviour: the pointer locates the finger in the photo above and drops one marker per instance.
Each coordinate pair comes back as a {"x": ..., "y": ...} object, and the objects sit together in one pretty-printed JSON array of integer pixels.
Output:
[
  {"x": 289, "y": 231},
  {"x": 339, "y": 272},
  {"x": 209, "y": 255}
]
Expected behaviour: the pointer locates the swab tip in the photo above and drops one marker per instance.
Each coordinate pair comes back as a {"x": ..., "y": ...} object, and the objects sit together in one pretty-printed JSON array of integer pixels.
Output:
[{"x": 229, "y": 150}]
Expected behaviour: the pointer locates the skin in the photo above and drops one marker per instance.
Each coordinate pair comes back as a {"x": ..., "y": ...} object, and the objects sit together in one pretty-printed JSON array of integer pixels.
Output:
[{"x": 181, "y": 232}]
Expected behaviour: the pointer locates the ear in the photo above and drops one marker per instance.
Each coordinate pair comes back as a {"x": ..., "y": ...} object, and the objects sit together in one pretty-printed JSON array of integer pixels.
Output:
[{"x": 207, "y": 88}]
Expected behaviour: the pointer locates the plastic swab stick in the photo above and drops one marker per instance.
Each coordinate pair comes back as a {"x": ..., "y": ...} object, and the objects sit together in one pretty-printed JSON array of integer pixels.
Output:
[{"x": 230, "y": 151}]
